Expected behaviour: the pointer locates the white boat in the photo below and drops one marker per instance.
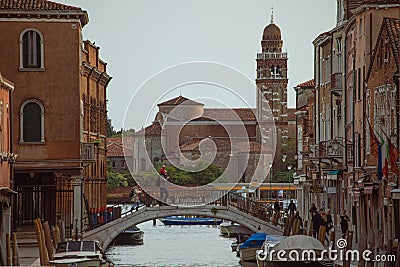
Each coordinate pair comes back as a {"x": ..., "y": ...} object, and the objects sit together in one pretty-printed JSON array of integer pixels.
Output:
[
  {"x": 247, "y": 250},
  {"x": 231, "y": 229},
  {"x": 299, "y": 251},
  {"x": 263, "y": 254},
  {"x": 79, "y": 254}
]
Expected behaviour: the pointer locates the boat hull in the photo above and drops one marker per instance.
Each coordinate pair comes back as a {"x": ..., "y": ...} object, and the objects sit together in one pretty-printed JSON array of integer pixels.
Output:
[
  {"x": 129, "y": 238},
  {"x": 78, "y": 263},
  {"x": 248, "y": 254}
]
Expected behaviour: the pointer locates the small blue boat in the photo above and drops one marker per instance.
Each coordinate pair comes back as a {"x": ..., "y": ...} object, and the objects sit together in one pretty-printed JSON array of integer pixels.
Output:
[
  {"x": 247, "y": 250},
  {"x": 176, "y": 220}
]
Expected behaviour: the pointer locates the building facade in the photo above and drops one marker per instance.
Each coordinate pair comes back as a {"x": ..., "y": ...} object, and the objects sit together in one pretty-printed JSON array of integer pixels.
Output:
[
  {"x": 59, "y": 110},
  {"x": 7, "y": 158},
  {"x": 355, "y": 113}
]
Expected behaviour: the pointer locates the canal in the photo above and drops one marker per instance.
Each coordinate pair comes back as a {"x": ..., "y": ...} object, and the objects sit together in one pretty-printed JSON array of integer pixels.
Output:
[{"x": 177, "y": 246}]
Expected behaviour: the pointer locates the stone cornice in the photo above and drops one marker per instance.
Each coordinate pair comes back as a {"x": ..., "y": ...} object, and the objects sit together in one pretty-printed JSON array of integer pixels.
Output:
[
  {"x": 46, "y": 15},
  {"x": 93, "y": 73},
  {"x": 4, "y": 83}
]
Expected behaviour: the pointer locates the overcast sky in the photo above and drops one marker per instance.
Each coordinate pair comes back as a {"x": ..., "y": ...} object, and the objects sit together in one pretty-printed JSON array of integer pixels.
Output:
[{"x": 139, "y": 38}]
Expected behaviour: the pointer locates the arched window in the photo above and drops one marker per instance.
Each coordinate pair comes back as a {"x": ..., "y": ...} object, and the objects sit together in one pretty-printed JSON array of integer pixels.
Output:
[
  {"x": 31, "y": 49},
  {"x": 32, "y": 122}
]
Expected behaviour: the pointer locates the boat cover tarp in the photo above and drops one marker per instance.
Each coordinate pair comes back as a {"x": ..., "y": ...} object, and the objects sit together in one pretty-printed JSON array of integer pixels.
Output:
[
  {"x": 256, "y": 240},
  {"x": 299, "y": 242},
  {"x": 274, "y": 238}
]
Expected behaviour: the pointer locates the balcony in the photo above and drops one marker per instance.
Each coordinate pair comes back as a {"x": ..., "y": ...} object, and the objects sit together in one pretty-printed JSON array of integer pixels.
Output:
[
  {"x": 336, "y": 82},
  {"x": 272, "y": 55},
  {"x": 331, "y": 149},
  {"x": 87, "y": 152}
]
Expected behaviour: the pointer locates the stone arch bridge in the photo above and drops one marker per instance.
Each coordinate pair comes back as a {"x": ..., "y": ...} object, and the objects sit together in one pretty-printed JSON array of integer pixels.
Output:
[{"x": 248, "y": 213}]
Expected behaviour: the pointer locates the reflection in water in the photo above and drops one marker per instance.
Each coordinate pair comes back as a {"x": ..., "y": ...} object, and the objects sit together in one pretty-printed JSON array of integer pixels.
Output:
[{"x": 177, "y": 246}]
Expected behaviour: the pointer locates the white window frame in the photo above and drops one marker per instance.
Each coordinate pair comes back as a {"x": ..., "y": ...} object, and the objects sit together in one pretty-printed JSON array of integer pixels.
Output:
[
  {"x": 21, "y": 50},
  {"x": 21, "y": 121}
]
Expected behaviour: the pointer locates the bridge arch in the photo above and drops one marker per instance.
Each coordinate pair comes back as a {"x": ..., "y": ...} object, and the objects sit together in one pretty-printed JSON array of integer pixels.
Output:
[{"x": 105, "y": 234}]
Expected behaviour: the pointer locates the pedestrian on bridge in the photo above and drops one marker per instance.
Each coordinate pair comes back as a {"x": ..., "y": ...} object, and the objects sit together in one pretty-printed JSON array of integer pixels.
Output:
[
  {"x": 134, "y": 195},
  {"x": 162, "y": 183}
]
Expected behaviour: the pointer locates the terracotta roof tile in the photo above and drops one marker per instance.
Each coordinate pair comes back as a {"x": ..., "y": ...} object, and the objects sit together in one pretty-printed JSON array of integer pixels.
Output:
[
  {"x": 307, "y": 84},
  {"x": 151, "y": 130},
  {"x": 180, "y": 100},
  {"x": 30, "y": 5},
  {"x": 393, "y": 30},
  {"x": 116, "y": 148},
  {"x": 223, "y": 114},
  {"x": 223, "y": 145}
]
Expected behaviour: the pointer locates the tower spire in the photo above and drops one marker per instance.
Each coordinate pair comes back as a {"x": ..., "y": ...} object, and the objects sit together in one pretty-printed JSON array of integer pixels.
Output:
[{"x": 272, "y": 14}]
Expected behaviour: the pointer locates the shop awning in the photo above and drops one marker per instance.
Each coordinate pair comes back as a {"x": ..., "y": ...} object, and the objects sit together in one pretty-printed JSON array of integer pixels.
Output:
[{"x": 333, "y": 172}]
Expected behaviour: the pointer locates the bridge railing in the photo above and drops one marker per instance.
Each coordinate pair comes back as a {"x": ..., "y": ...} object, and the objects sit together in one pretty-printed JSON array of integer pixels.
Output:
[
  {"x": 195, "y": 197},
  {"x": 252, "y": 207}
]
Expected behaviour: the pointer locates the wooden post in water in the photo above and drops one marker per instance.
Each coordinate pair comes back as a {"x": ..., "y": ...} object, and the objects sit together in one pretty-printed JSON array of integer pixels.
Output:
[
  {"x": 310, "y": 228},
  {"x": 296, "y": 227},
  {"x": 322, "y": 234},
  {"x": 48, "y": 241},
  {"x": 61, "y": 227},
  {"x": 8, "y": 250},
  {"x": 346, "y": 262},
  {"x": 41, "y": 242},
  {"x": 398, "y": 256},
  {"x": 56, "y": 236},
  {"x": 15, "y": 258},
  {"x": 332, "y": 237}
]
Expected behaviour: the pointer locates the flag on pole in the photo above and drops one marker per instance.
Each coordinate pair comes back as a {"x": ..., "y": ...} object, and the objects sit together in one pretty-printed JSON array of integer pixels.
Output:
[
  {"x": 376, "y": 150},
  {"x": 385, "y": 169},
  {"x": 393, "y": 156},
  {"x": 374, "y": 142}
]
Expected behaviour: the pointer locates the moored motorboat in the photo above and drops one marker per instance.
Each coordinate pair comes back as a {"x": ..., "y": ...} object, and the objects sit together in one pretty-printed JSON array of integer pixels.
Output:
[
  {"x": 295, "y": 251},
  {"x": 270, "y": 242},
  {"x": 176, "y": 220},
  {"x": 247, "y": 250},
  {"x": 231, "y": 229},
  {"x": 79, "y": 253},
  {"x": 131, "y": 236}
]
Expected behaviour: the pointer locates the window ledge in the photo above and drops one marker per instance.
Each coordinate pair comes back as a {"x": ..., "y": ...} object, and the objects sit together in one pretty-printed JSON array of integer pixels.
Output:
[
  {"x": 32, "y": 143},
  {"x": 32, "y": 69}
]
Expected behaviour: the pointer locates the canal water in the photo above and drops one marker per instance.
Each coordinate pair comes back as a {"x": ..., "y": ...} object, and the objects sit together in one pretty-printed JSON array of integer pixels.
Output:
[{"x": 177, "y": 246}]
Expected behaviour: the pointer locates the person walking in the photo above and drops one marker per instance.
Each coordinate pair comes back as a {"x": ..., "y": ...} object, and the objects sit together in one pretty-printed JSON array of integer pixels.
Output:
[
  {"x": 134, "y": 195},
  {"x": 163, "y": 185},
  {"x": 292, "y": 208},
  {"x": 316, "y": 220},
  {"x": 344, "y": 223}
]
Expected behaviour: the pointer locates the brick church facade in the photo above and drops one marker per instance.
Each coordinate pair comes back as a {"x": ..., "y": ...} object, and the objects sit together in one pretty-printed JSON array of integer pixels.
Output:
[{"x": 272, "y": 89}]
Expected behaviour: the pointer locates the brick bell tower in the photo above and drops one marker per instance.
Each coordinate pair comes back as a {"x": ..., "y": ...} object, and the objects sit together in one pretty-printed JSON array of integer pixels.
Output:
[{"x": 272, "y": 83}]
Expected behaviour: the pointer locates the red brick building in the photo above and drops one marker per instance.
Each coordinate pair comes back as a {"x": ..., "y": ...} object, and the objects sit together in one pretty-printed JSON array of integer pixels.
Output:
[
  {"x": 59, "y": 109},
  {"x": 7, "y": 157}
]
